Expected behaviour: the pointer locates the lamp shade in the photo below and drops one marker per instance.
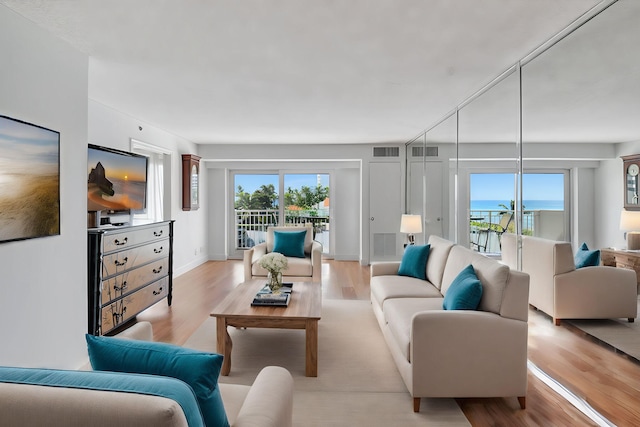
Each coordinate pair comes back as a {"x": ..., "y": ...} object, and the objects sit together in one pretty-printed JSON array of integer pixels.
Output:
[
  {"x": 630, "y": 220},
  {"x": 411, "y": 224}
]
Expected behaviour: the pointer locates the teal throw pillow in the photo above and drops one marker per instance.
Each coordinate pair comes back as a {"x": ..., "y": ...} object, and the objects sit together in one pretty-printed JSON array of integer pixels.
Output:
[
  {"x": 414, "y": 261},
  {"x": 198, "y": 369},
  {"x": 151, "y": 385},
  {"x": 586, "y": 258},
  {"x": 465, "y": 291},
  {"x": 289, "y": 243}
]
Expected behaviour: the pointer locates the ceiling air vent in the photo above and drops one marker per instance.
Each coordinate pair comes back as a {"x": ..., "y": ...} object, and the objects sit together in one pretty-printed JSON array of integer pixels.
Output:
[
  {"x": 420, "y": 151},
  {"x": 386, "y": 151}
]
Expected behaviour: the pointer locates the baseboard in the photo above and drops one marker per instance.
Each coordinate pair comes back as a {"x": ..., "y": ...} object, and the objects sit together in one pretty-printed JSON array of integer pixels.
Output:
[
  {"x": 190, "y": 266},
  {"x": 346, "y": 258}
]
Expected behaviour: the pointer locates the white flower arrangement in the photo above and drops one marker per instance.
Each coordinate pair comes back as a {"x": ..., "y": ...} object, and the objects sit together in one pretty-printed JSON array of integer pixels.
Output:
[{"x": 275, "y": 262}]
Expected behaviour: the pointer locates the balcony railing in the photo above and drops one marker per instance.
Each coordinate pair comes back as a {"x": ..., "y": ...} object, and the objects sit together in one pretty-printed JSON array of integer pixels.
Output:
[
  {"x": 486, "y": 226},
  {"x": 251, "y": 225}
]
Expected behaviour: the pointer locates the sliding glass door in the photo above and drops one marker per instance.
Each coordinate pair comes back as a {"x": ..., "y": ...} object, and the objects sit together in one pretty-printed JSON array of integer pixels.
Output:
[
  {"x": 306, "y": 200},
  {"x": 276, "y": 198},
  {"x": 492, "y": 207}
]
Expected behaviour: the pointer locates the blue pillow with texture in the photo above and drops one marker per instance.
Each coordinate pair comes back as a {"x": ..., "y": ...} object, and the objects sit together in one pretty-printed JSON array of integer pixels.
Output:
[
  {"x": 465, "y": 291},
  {"x": 586, "y": 258},
  {"x": 198, "y": 369},
  {"x": 151, "y": 385},
  {"x": 289, "y": 243},
  {"x": 414, "y": 261}
]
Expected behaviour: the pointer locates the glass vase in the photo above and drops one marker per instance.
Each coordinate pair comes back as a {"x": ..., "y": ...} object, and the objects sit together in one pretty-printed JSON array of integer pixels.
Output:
[{"x": 274, "y": 280}]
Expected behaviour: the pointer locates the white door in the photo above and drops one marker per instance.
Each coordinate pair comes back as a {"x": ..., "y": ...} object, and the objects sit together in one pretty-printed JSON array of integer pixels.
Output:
[{"x": 385, "y": 210}]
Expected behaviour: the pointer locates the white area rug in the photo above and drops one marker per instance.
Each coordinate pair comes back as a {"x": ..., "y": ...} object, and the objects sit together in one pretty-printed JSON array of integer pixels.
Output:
[
  {"x": 357, "y": 384},
  {"x": 618, "y": 333}
]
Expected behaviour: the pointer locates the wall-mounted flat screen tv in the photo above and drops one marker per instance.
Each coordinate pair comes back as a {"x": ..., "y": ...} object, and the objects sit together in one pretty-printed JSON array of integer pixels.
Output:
[
  {"x": 117, "y": 180},
  {"x": 29, "y": 180}
]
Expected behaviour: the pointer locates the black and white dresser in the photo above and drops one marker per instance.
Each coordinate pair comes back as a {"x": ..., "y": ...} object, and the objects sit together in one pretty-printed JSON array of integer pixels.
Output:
[{"x": 130, "y": 269}]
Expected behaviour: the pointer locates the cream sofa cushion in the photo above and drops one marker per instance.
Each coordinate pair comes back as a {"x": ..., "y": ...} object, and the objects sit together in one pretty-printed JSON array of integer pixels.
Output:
[
  {"x": 296, "y": 267},
  {"x": 399, "y": 312},
  {"x": 438, "y": 255},
  {"x": 492, "y": 275},
  {"x": 385, "y": 287}
]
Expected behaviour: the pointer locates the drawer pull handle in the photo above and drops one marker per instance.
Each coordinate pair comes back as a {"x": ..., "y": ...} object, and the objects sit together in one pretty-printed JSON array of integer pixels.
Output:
[
  {"x": 120, "y": 264},
  {"x": 158, "y": 233},
  {"x": 158, "y": 292},
  {"x": 121, "y": 243},
  {"x": 120, "y": 288},
  {"x": 157, "y": 270},
  {"x": 157, "y": 250}
]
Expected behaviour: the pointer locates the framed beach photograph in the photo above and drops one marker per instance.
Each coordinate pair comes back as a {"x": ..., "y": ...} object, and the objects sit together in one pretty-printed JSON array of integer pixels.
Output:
[{"x": 29, "y": 180}]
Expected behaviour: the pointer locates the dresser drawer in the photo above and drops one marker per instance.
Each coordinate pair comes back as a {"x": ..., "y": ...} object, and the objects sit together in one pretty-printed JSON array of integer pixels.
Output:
[
  {"x": 623, "y": 264},
  {"x": 627, "y": 261},
  {"x": 124, "y": 309},
  {"x": 608, "y": 258},
  {"x": 129, "y": 238},
  {"x": 125, "y": 260},
  {"x": 133, "y": 279}
]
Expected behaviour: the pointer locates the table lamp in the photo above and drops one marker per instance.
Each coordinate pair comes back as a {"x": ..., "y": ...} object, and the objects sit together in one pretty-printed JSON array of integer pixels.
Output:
[
  {"x": 411, "y": 224},
  {"x": 630, "y": 222}
]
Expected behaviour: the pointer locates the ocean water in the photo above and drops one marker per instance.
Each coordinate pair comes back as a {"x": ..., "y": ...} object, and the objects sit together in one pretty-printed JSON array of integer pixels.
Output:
[{"x": 494, "y": 205}]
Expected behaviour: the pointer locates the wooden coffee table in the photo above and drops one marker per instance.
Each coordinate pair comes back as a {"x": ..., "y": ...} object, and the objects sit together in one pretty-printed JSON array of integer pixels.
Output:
[{"x": 303, "y": 312}]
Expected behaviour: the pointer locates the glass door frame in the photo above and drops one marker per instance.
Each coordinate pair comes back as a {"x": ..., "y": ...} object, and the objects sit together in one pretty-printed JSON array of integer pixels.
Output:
[{"x": 235, "y": 252}]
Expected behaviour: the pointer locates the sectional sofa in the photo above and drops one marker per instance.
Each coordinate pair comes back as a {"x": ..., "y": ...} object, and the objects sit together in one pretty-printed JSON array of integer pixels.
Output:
[
  {"x": 267, "y": 403},
  {"x": 454, "y": 353}
]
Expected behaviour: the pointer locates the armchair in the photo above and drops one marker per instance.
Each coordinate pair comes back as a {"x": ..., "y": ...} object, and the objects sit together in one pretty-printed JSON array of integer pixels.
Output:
[
  {"x": 308, "y": 268},
  {"x": 564, "y": 292}
]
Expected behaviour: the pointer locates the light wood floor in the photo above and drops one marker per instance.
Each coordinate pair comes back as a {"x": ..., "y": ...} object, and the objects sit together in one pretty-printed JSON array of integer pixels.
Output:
[{"x": 609, "y": 382}]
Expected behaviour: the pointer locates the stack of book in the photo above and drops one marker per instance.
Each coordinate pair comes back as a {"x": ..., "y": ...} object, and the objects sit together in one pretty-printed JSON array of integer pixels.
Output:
[{"x": 265, "y": 297}]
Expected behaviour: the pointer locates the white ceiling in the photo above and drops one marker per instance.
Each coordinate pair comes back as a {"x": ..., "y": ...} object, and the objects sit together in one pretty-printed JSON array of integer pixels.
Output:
[{"x": 296, "y": 71}]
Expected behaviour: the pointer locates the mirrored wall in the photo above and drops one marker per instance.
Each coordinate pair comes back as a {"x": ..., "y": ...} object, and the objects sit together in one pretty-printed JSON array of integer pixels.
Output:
[{"x": 521, "y": 155}]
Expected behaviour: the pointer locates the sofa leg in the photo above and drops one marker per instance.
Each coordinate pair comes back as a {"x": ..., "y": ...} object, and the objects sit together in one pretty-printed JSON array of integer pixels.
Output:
[
  {"x": 416, "y": 404},
  {"x": 556, "y": 321},
  {"x": 522, "y": 400},
  {"x": 631, "y": 320}
]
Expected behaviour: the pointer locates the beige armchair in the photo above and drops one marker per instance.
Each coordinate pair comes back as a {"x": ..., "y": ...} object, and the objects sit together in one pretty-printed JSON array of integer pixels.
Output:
[
  {"x": 564, "y": 292},
  {"x": 308, "y": 268}
]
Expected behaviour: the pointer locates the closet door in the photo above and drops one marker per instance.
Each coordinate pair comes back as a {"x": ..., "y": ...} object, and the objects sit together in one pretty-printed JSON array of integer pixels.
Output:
[{"x": 386, "y": 242}]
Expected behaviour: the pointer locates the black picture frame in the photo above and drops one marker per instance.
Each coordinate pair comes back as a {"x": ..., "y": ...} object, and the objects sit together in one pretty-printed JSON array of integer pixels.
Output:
[{"x": 29, "y": 180}]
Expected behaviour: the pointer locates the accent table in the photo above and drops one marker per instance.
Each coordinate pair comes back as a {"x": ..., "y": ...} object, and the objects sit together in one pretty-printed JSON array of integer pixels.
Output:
[
  {"x": 303, "y": 312},
  {"x": 622, "y": 259}
]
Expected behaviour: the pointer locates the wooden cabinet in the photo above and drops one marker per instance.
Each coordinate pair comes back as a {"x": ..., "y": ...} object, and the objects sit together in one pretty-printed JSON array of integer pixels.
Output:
[
  {"x": 631, "y": 173},
  {"x": 130, "y": 269},
  {"x": 190, "y": 182},
  {"x": 622, "y": 259}
]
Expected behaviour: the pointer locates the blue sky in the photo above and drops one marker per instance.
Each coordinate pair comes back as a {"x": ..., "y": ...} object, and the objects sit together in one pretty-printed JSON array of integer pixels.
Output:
[
  {"x": 484, "y": 186},
  {"x": 252, "y": 182},
  {"x": 494, "y": 186}
]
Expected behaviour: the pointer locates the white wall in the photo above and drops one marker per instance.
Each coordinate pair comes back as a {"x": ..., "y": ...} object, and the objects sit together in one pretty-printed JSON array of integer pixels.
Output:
[
  {"x": 348, "y": 163},
  {"x": 43, "y": 294},
  {"x": 217, "y": 220},
  {"x": 583, "y": 207},
  {"x": 111, "y": 128}
]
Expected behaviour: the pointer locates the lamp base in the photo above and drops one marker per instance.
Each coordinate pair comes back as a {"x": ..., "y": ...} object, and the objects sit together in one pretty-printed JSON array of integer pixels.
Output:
[{"x": 633, "y": 240}]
